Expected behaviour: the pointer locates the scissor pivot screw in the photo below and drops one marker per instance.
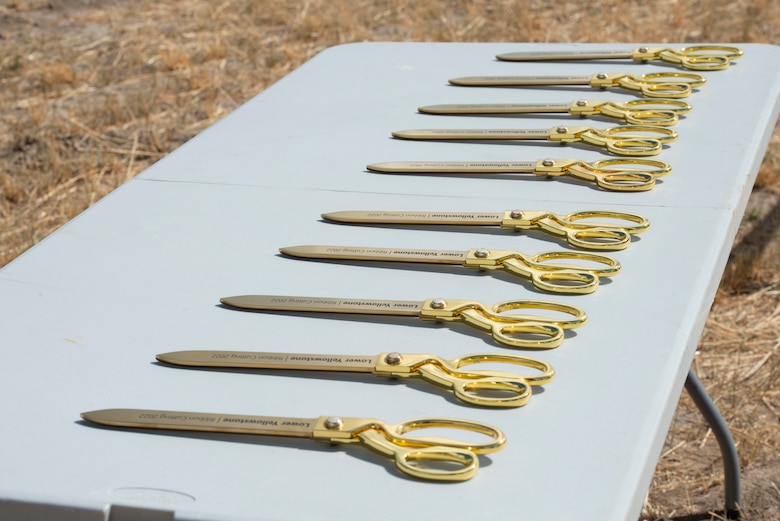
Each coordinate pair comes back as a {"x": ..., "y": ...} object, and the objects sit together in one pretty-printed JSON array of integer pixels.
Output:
[
  {"x": 581, "y": 102},
  {"x": 393, "y": 358},
  {"x": 643, "y": 49},
  {"x": 438, "y": 303},
  {"x": 562, "y": 130},
  {"x": 518, "y": 214},
  {"x": 333, "y": 423},
  {"x": 481, "y": 253},
  {"x": 548, "y": 162},
  {"x": 602, "y": 75}
]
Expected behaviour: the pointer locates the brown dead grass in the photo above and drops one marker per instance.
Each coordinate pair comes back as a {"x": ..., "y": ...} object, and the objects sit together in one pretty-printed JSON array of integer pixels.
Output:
[{"x": 92, "y": 92}]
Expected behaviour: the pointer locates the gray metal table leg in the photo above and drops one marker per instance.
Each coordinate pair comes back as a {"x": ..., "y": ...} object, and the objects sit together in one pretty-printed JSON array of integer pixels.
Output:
[{"x": 728, "y": 449}]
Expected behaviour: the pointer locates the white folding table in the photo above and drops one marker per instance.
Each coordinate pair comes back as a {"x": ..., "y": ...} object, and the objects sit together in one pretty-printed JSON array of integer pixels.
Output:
[{"x": 83, "y": 313}]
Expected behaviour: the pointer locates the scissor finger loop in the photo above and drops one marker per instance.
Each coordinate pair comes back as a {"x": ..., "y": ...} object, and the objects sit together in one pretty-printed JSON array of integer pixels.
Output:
[
  {"x": 698, "y": 63},
  {"x": 413, "y": 462},
  {"x": 449, "y": 310},
  {"x": 528, "y": 335},
  {"x": 700, "y": 57},
  {"x": 547, "y": 277},
  {"x": 663, "y": 112},
  {"x": 499, "y": 313},
  {"x": 443, "y": 371},
  {"x": 654, "y": 85},
  {"x": 591, "y": 237},
  {"x": 664, "y": 84},
  {"x": 483, "y": 388},
  {"x": 664, "y": 118},
  {"x": 552, "y": 278},
  {"x": 570, "y": 226},
  {"x": 620, "y": 146},
  {"x": 397, "y": 434},
  {"x": 610, "y": 265},
  {"x": 520, "y": 332},
  {"x": 653, "y": 167},
  {"x": 493, "y": 392},
  {"x": 599, "y": 239},
  {"x": 626, "y": 182},
  {"x": 566, "y": 281},
  {"x": 511, "y": 330},
  {"x": 477, "y": 387},
  {"x": 708, "y": 50},
  {"x": 664, "y": 135},
  {"x": 578, "y": 220},
  {"x": 545, "y": 375},
  {"x": 630, "y": 174},
  {"x": 657, "y": 111},
  {"x": 629, "y": 140},
  {"x": 411, "y": 454},
  {"x": 671, "y": 105}
]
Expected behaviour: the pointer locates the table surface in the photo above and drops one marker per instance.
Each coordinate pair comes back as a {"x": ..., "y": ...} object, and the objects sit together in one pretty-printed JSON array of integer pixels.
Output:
[{"x": 83, "y": 313}]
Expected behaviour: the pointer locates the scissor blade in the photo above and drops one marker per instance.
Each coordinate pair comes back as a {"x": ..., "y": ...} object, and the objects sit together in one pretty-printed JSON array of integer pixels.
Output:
[
  {"x": 324, "y": 305},
  {"x": 496, "y": 108},
  {"x": 519, "y": 81},
  {"x": 203, "y": 422},
  {"x": 382, "y": 217},
  {"x": 263, "y": 360},
  {"x": 468, "y": 133},
  {"x": 377, "y": 254},
  {"x": 453, "y": 167},
  {"x": 564, "y": 55}
]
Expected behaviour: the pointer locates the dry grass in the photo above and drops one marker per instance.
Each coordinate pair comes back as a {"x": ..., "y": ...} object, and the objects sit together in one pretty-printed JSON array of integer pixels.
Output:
[{"x": 94, "y": 91}]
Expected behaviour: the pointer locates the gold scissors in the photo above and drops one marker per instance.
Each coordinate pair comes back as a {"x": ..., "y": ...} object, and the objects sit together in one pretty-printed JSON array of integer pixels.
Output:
[
  {"x": 578, "y": 228},
  {"x": 696, "y": 57},
  {"x": 508, "y": 329},
  {"x": 416, "y": 456},
  {"x": 616, "y": 174},
  {"x": 545, "y": 276},
  {"x": 624, "y": 140},
  {"x": 653, "y": 85},
  {"x": 487, "y": 388},
  {"x": 661, "y": 112}
]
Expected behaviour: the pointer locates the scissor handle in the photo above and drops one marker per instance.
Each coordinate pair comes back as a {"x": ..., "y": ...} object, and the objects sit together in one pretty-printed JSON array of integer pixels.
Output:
[
  {"x": 599, "y": 239},
  {"x": 657, "y": 104},
  {"x": 454, "y": 366},
  {"x": 551, "y": 278},
  {"x": 412, "y": 452},
  {"x": 498, "y": 312},
  {"x": 609, "y": 266},
  {"x": 411, "y": 461},
  {"x": 662, "y": 112},
  {"x": 397, "y": 433},
  {"x": 617, "y": 180},
  {"x": 625, "y": 181},
  {"x": 558, "y": 223},
  {"x": 702, "y": 57},
  {"x": 578, "y": 220},
  {"x": 577, "y": 228},
  {"x": 639, "y": 132},
  {"x": 622, "y": 174},
  {"x": 513, "y": 330},
  {"x": 624, "y": 133},
  {"x": 479, "y": 387},
  {"x": 664, "y": 118},
  {"x": 502, "y": 325},
  {"x": 517, "y": 334},
  {"x": 629, "y": 140},
  {"x": 663, "y": 84},
  {"x": 602, "y": 238}
]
